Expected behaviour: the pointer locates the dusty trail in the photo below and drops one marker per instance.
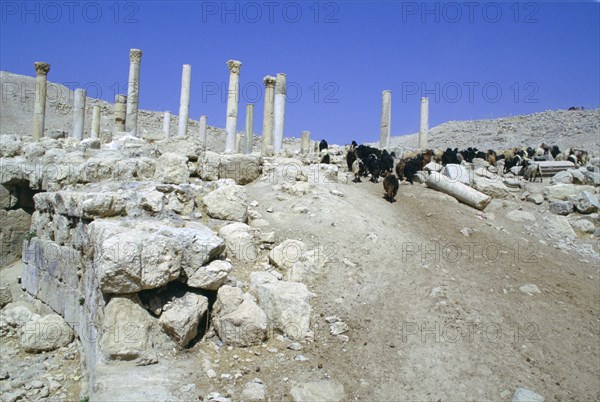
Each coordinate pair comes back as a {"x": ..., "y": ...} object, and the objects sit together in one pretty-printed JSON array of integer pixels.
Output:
[{"x": 438, "y": 324}]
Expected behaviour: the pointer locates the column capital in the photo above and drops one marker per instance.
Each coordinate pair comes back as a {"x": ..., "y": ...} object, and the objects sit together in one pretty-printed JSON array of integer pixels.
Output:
[
  {"x": 135, "y": 55},
  {"x": 424, "y": 99},
  {"x": 120, "y": 98},
  {"x": 41, "y": 68},
  {"x": 234, "y": 66},
  {"x": 269, "y": 81}
]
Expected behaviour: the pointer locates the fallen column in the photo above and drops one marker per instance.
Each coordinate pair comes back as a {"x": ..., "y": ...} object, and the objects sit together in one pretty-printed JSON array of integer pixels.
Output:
[
  {"x": 167, "y": 125},
  {"x": 305, "y": 142},
  {"x": 184, "y": 100},
  {"x": 95, "y": 134},
  {"x": 120, "y": 112},
  {"x": 232, "y": 104},
  {"x": 249, "y": 138},
  {"x": 78, "y": 113},
  {"x": 424, "y": 127},
  {"x": 39, "y": 107},
  {"x": 461, "y": 192},
  {"x": 386, "y": 119},
  {"x": 279, "y": 113},
  {"x": 267, "y": 131},
  {"x": 133, "y": 91}
]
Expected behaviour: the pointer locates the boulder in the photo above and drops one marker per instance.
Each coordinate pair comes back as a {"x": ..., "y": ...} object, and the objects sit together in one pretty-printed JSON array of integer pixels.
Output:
[
  {"x": 592, "y": 178},
  {"x": 181, "y": 316},
  {"x": 129, "y": 331},
  {"x": 172, "y": 168},
  {"x": 457, "y": 173},
  {"x": 129, "y": 260},
  {"x": 587, "y": 203},
  {"x": 7, "y": 200},
  {"x": 322, "y": 390},
  {"x": 243, "y": 169},
  {"x": 5, "y": 295},
  {"x": 227, "y": 203},
  {"x": 17, "y": 314},
  {"x": 15, "y": 224},
  {"x": 561, "y": 207},
  {"x": 558, "y": 227},
  {"x": 211, "y": 276},
  {"x": 583, "y": 226},
  {"x": 239, "y": 321},
  {"x": 563, "y": 192},
  {"x": 254, "y": 390},
  {"x": 526, "y": 395},
  {"x": 239, "y": 240},
  {"x": 153, "y": 201},
  {"x": 513, "y": 182},
  {"x": 208, "y": 166},
  {"x": 564, "y": 177},
  {"x": 47, "y": 333},
  {"x": 491, "y": 186},
  {"x": 535, "y": 198},
  {"x": 578, "y": 175},
  {"x": 287, "y": 253},
  {"x": 287, "y": 305}
]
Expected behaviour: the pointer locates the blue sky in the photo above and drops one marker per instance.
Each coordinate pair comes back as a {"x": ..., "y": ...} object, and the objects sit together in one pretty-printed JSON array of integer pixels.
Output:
[{"x": 474, "y": 60}]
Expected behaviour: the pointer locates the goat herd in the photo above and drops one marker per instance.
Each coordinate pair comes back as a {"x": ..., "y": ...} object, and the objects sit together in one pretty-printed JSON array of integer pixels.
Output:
[{"x": 365, "y": 161}]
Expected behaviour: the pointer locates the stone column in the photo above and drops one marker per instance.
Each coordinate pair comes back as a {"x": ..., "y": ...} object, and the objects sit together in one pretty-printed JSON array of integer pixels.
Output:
[
  {"x": 305, "y": 142},
  {"x": 203, "y": 126},
  {"x": 133, "y": 91},
  {"x": 386, "y": 119},
  {"x": 267, "y": 131},
  {"x": 39, "y": 107},
  {"x": 184, "y": 100},
  {"x": 232, "y": 104},
  {"x": 249, "y": 138},
  {"x": 424, "y": 123},
  {"x": 120, "y": 110},
  {"x": 167, "y": 125},
  {"x": 238, "y": 143},
  {"x": 95, "y": 122},
  {"x": 79, "y": 113},
  {"x": 279, "y": 113}
]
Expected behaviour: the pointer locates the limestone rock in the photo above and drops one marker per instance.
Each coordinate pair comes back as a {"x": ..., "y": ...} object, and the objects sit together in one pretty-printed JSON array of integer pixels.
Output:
[
  {"x": 239, "y": 241},
  {"x": 5, "y": 295},
  {"x": 587, "y": 203},
  {"x": 529, "y": 289},
  {"x": 323, "y": 390},
  {"x": 7, "y": 200},
  {"x": 254, "y": 390},
  {"x": 558, "y": 227},
  {"x": 208, "y": 166},
  {"x": 563, "y": 192},
  {"x": 45, "y": 333},
  {"x": 535, "y": 198},
  {"x": 287, "y": 253},
  {"x": 561, "y": 207},
  {"x": 153, "y": 201},
  {"x": 227, "y": 203},
  {"x": 243, "y": 169},
  {"x": 242, "y": 325},
  {"x": 583, "y": 226},
  {"x": 180, "y": 317},
  {"x": 491, "y": 186},
  {"x": 172, "y": 168},
  {"x": 564, "y": 177},
  {"x": 457, "y": 173},
  {"x": 17, "y": 314},
  {"x": 15, "y": 225},
  {"x": 287, "y": 305},
  {"x": 128, "y": 331},
  {"x": 211, "y": 276},
  {"x": 525, "y": 395}
]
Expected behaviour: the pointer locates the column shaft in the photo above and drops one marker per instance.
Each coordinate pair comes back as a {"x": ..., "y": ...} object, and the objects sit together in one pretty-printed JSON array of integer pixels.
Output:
[
  {"x": 79, "y": 113},
  {"x": 167, "y": 125},
  {"x": 424, "y": 123},
  {"x": 133, "y": 91},
  {"x": 39, "y": 107},
  {"x": 249, "y": 136},
  {"x": 305, "y": 142},
  {"x": 184, "y": 100},
  {"x": 95, "y": 122},
  {"x": 279, "y": 113},
  {"x": 267, "y": 131},
  {"x": 232, "y": 104},
  {"x": 386, "y": 119}
]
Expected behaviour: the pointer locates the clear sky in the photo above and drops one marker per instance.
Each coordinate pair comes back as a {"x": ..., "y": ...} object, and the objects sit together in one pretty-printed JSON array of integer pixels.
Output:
[{"x": 474, "y": 60}]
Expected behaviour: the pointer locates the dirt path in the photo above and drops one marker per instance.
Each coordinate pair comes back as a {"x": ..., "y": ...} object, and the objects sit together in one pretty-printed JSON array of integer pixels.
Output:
[{"x": 435, "y": 314}]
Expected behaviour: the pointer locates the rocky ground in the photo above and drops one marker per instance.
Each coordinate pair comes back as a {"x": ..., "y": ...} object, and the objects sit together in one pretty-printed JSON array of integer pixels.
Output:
[{"x": 421, "y": 299}]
